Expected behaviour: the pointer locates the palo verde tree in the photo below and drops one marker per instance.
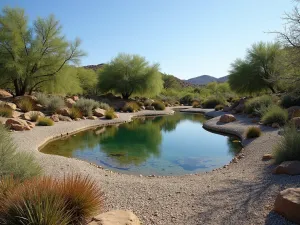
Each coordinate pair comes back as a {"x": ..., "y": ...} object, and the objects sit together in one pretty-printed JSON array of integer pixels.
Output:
[
  {"x": 130, "y": 74},
  {"x": 32, "y": 56},
  {"x": 258, "y": 71}
]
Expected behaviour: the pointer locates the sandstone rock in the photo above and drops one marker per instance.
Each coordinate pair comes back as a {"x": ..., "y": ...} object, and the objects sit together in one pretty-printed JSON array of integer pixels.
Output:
[
  {"x": 3, "y": 120},
  {"x": 143, "y": 107},
  {"x": 64, "y": 118},
  {"x": 64, "y": 111},
  {"x": 287, "y": 204},
  {"x": 227, "y": 118},
  {"x": 99, "y": 112},
  {"x": 275, "y": 125},
  {"x": 92, "y": 117},
  {"x": 116, "y": 217},
  {"x": 5, "y": 94},
  {"x": 267, "y": 157},
  {"x": 28, "y": 115},
  {"x": 10, "y": 105},
  {"x": 296, "y": 122},
  {"x": 150, "y": 107},
  {"x": 75, "y": 98},
  {"x": 55, "y": 118},
  {"x": 30, "y": 124},
  {"x": 16, "y": 114},
  {"x": 288, "y": 167},
  {"x": 17, "y": 124},
  {"x": 69, "y": 102}
]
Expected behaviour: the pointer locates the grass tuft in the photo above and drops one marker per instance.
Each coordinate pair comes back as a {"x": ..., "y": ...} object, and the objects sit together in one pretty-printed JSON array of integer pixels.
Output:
[
  {"x": 86, "y": 106},
  {"x": 131, "y": 107},
  {"x": 219, "y": 107},
  {"x": 75, "y": 113},
  {"x": 55, "y": 103},
  {"x": 44, "y": 121},
  {"x": 5, "y": 112},
  {"x": 275, "y": 114},
  {"x": 253, "y": 132},
  {"x": 254, "y": 105},
  {"x": 110, "y": 114},
  {"x": 25, "y": 104},
  {"x": 158, "y": 105}
]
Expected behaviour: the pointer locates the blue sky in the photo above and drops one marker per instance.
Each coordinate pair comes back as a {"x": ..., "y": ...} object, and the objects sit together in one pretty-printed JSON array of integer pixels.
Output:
[{"x": 187, "y": 37}]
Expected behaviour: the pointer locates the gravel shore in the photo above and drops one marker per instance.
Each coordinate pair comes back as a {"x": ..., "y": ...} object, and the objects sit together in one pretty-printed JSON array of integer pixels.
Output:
[{"x": 242, "y": 193}]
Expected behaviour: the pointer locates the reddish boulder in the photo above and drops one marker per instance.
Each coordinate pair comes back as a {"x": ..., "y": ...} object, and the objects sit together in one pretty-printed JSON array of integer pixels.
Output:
[
  {"x": 17, "y": 124},
  {"x": 227, "y": 118},
  {"x": 70, "y": 102},
  {"x": 55, "y": 118},
  {"x": 288, "y": 167}
]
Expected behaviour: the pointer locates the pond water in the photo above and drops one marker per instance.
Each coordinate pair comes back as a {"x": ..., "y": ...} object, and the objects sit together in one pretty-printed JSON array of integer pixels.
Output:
[{"x": 164, "y": 145}]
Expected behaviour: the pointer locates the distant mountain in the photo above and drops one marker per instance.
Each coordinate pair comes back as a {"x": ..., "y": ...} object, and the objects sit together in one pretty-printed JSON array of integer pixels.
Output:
[
  {"x": 94, "y": 67},
  {"x": 205, "y": 79}
]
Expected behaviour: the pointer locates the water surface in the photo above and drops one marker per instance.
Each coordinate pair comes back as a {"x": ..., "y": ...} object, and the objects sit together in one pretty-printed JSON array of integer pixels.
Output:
[{"x": 164, "y": 145}]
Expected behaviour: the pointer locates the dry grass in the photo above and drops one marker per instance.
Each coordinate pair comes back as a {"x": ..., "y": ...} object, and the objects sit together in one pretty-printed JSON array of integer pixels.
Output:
[
  {"x": 25, "y": 104},
  {"x": 253, "y": 132},
  {"x": 6, "y": 112},
  {"x": 44, "y": 121}
]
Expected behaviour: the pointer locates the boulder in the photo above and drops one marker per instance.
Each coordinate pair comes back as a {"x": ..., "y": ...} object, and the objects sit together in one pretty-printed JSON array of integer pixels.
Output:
[
  {"x": 30, "y": 124},
  {"x": 69, "y": 102},
  {"x": 9, "y": 105},
  {"x": 17, "y": 124},
  {"x": 293, "y": 111},
  {"x": 288, "y": 167},
  {"x": 5, "y": 94},
  {"x": 143, "y": 107},
  {"x": 116, "y": 217},
  {"x": 39, "y": 107},
  {"x": 240, "y": 108},
  {"x": 28, "y": 115},
  {"x": 64, "y": 111},
  {"x": 287, "y": 204},
  {"x": 150, "y": 107},
  {"x": 296, "y": 122},
  {"x": 55, "y": 118},
  {"x": 64, "y": 118},
  {"x": 99, "y": 112},
  {"x": 227, "y": 118},
  {"x": 267, "y": 157},
  {"x": 75, "y": 98},
  {"x": 92, "y": 117}
]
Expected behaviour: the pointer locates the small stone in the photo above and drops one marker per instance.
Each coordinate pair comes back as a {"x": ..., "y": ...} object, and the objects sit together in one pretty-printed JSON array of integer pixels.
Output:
[
  {"x": 267, "y": 157},
  {"x": 235, "y": 160},
  {"x": 116, "y": 217}
]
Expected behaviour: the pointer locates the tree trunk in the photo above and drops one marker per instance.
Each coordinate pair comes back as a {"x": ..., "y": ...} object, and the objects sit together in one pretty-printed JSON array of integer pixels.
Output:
[
  {"x": 272, "y": 89},
  {"x": 17, "y": 88},
  {"x": 125, "y": 95}
]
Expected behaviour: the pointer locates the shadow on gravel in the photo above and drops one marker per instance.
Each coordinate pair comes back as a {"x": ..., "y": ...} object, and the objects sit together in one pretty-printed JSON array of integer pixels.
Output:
[{"x": 244, "y": 202}]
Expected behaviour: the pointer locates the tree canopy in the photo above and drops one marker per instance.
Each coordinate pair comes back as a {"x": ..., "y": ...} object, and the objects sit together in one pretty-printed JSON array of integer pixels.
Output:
[
  {"x": 258, "y": 71},
  {"x": 130, "y": 74},
  {"x": 32, "y": 56}
]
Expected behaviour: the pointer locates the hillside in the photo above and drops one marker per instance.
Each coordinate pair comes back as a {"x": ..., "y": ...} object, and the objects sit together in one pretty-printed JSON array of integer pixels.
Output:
[{"x": 205, "y": 79}]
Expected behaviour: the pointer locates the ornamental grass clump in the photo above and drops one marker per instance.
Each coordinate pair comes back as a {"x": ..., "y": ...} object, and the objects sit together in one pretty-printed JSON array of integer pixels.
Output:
[
  {"x": 131, "y": 107},
  {"x": 253, "y": 132},
  {"x": 75, "y": 113},
  {"x": 288, "y": 147},
  {"x": 55, "y": 103},
  {"x": 103, "y": 105},
  {"x": 42, "y": 99},
  {"x": 5, "y": 112},
  {"x": 110, "y": 114},
  {"x": 45, "y": 121},
  {"x": 34, "y": 116},
  {"x": 158, "y": 105},
  {"x": 20, "y": 165},
  {"x": 196, "y": 104},
  {"x": 86, "y": 106},
  {"x": 25, "y": 104},
  {"x": 254, "y": 105},
  {"x": 275, "y": 114},
  {"x": 219, "y": 107}
]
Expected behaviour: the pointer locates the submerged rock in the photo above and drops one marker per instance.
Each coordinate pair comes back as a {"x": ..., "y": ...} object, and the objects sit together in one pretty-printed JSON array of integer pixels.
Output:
[
  {"x": 288, "y": 204},
  {"x": 116, "y": 217}
]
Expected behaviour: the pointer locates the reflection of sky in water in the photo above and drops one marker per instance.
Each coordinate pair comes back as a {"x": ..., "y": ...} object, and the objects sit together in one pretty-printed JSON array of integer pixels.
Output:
[{"x": 169, "y": 145}]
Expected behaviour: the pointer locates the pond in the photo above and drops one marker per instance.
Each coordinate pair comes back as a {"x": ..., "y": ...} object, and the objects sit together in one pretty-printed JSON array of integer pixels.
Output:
[{"x": 163, "y": 145}]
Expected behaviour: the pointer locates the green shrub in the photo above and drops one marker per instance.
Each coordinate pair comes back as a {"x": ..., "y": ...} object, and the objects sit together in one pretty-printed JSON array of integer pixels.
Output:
[
  {"x": 49, "y": 201},
  {"x": 219, "y": 107},
  {"x": 186, "y": 100},
  {"x": 86, "y": 106},
  {"x": 196, "y": 104},
  {"x": 212, "y": 102},
  {"x": 20, "y": 165},
  {"x": 275, "y": 114},
  {"x": 131, "y": 107},
  {"x": 55, "y": 103},
  {"x": 254, "y": 105},
  {"x": 75, "y": 113},
  {"x": 42, "y": 99},
  {"x": 290, "y": 100},
  {"x": 103, "y": 105},
  {"x": 148, "y": 102},
  {"x": 44, "y": 121},
  {"x": 6, "y": 112},
  {"x": 253, "y": 132},
  {"x": 158, "y": 105},
  {"x": 288, "y": 147},
  {"x": 110, "y": 114},
  {"x": 25, "y": 104}
]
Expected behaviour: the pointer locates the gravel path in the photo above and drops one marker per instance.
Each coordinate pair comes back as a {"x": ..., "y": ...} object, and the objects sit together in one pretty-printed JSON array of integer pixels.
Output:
[{"x": 242, "y": 193}]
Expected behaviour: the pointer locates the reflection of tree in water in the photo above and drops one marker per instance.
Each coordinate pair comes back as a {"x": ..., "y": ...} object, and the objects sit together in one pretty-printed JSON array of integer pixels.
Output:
[{"x": 133, "y": 143}]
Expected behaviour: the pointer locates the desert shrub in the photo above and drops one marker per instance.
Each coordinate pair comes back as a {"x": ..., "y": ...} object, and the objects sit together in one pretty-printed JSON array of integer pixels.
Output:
[
  {"x": 42, "y": 99},
  {"x": 20, "y": 165},
  {"x": 186, "y": 100},
  {"x": 25, "y": 104},
  {"x": 290, "y": 100},
  {"x": 50, "y": 201},
  {"x": 131, "y": 107},
  {"x": 44, "y": 121},
  {"x": 110, "y": 114},
  {"x": 212, "y": 102},
  {"x": 86, "y": 106},
  {"x": 158, "y": 105},
  {"x": 196, "y": 104},
  {"x": 275, "y": 114},
  {"x": 148, "y": 102},
  {"x": 75, "y": 113},
  {"x": 254, "y": 105},
  {"x": 219, "y": 107},
  {"x": 253, "y": 132},
  {"x": 103, "y": 105},
  {"x": 288, "y": 147},
  {"x": 55, "y": 103},
  {"x": 34, "y": 116},
  {"x": 5, "y": 112}
]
